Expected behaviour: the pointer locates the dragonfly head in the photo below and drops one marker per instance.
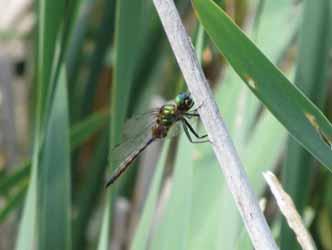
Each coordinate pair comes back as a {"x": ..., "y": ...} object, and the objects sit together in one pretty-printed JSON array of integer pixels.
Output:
[{"x": 184, "y": 101}]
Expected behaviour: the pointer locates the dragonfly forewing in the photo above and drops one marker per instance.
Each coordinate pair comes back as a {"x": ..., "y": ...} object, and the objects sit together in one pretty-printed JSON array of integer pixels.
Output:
[
  {"x": 124, "y": 151},
  {"x": 139, "y": 123}
]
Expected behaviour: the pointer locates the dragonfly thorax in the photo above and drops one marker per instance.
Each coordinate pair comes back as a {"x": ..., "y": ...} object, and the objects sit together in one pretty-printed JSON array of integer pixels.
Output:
[{"x": 167, "y": 115}]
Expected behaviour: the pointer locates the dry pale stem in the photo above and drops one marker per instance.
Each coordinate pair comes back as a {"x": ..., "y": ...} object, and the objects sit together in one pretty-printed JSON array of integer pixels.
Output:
[
  {"x": 230, "y": 164},
  {"x": 287, "y": 207}
]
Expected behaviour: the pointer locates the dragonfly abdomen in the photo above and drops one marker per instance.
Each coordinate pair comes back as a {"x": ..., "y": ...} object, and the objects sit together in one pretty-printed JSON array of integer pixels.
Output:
[
  {"x": 159, "y": 131},
  {"x": 124, "y": 165}
]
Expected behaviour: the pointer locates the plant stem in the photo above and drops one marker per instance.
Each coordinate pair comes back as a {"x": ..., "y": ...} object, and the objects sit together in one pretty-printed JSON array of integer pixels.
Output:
[{"x": 226, "y": 154}]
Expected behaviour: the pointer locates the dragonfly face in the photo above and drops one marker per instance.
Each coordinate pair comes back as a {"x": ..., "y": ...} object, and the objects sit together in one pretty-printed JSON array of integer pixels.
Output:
[{"x": 184, "y": 102}]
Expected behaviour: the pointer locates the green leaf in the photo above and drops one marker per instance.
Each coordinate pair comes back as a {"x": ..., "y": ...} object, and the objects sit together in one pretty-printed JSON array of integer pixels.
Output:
[
  {"x": 129, "y": 17},
  {"x": 7, "y": 182},
  {"x": 312, "y": 78},
  {"x": 78, "y": 135},
  {"x": 50, "y": 14},
  {"x": 103, "y": 40},
  {"x": 275, "y": 14},
  {"x": 141, "y": 237},
  {"x": 85, "y": 129},
  {"x": 54, "y": 230},
  {"x": 50, "y": 21},
  {"x": 12, "y": 202},
  {"x": 26, "y": 235},
  {"x": 86, "y": 200},
  {"x": 296, "y": 112},
  {"x": 179, "y": 205},
  {"x": 75, "y": 46}
]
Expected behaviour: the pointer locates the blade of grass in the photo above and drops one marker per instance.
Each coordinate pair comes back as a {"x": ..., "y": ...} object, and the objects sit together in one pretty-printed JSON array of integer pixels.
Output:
[
  {"x": 54, "y": 230},
  {"x": 178, "y": 208},
  {"x": 74, "y": 53},
  {"x": 90, "y": 191},
  {"x": 140, "y": 240},
  {"x": 12, "y": 202},
  {"x": 264, "y": 149},
  {"x": 148, "y": 61},
  {"x": 129, "y": 16},
  {"x": 311, "y": 77},
  {"x": 64, "y": 31},
  {"x": 8, "y": 182},
  {"x": 49, "y": 20},
  {"x": 83, "y": 130},
  {"x": 258, "y": 16},
  {"x": 304, "y": 120},
  {"x": 205, "y": 225},
  {"x": 275, "y": 14},
  {"x": 26, "y": 235},
  {"x": 238, "y": 106},
  {"x": 78, "y": 135},
  {"x": 103, "y": 40}
]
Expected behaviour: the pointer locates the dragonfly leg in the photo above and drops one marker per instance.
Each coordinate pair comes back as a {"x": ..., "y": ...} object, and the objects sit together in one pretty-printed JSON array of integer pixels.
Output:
[
  {"x": 198, "y": 106},
  {"x": 189, "y": 115},
  {"x": 185, "y": 127},
  {"x": 193, "y": 130}
]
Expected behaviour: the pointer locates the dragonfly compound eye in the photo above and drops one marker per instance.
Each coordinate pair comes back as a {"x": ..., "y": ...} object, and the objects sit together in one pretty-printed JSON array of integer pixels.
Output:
[
  {"x": 184, "y": 101},
  {"x": 188, "y": 103}
]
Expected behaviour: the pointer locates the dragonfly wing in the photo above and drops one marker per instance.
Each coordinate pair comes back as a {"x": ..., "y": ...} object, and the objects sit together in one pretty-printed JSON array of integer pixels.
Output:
[
  {"x": 139, "y": 123},
  {"x": 125, "y": 153},
  {"x": 122, "y": 152}
]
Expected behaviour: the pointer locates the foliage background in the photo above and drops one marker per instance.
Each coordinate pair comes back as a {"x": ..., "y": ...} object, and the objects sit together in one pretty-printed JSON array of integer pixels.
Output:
[{"x": 71, "y": 72}]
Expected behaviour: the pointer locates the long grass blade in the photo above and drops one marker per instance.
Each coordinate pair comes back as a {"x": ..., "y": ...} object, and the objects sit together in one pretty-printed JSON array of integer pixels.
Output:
[
  {"x": 302, "y": 118},
  {"x": 54, "y": 192},
  {"x": 311, "y": 78},
  {"x": 141, "y": 237},
  {"x": 179, "y": 205},
  {"x": 78, "y": 134},
  {"x": 49, "y": 18},
  {"x": 129, "y": 16}
]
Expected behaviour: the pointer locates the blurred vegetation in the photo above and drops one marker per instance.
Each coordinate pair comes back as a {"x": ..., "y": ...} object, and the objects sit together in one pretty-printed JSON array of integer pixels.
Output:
[{"x": 73, "y": 71}]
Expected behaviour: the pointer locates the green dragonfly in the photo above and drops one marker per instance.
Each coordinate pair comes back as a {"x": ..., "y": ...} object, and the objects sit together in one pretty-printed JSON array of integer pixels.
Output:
[{"x": 142, "y": 130}]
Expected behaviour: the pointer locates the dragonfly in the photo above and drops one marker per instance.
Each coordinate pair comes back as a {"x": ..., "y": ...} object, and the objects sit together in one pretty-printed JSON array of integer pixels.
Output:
[{"x": 142, "y": 130}]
